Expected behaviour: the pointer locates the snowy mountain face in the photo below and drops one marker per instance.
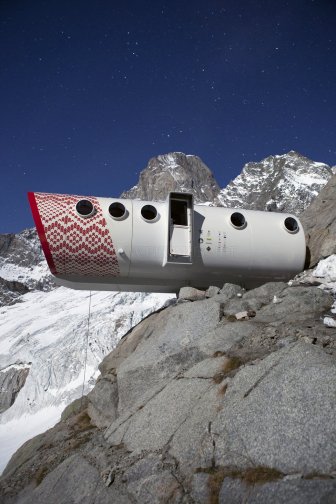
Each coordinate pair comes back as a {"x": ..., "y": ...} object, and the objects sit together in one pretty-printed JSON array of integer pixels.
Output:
[
  {"x": 22, "y": 266},
  {"x": 175, "y": 172},
  {"x": 286, "y": 183}
]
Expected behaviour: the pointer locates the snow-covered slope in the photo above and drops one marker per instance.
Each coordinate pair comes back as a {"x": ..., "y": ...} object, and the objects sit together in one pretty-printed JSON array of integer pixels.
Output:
[
  {"x": 47, "y": 333},
  {"x": 280, "y": 183}
]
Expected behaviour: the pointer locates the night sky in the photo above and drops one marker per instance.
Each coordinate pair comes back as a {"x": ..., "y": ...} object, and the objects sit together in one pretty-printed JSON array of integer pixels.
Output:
[{"x": 90, "y": 91}]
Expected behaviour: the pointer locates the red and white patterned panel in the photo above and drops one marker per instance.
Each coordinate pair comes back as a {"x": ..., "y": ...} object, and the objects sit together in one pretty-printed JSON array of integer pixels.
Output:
[{"x": 78, "y": 245}]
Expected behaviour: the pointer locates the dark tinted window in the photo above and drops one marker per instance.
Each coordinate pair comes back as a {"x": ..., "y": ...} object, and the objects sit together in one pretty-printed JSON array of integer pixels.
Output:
[
  {"x": 291, "y": 225},
  {"x": 238, "y": 220},
  {"x": 117, "y": 210},
  {"x": 148, "y": 212},
  {"x": 84, "y": 208}
]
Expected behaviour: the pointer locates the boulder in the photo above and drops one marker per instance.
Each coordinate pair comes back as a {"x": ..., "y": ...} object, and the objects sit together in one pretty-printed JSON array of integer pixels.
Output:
[
  {"x": 212, "y": 291},
  {"x": 228, "y": 292},
  {"x": 191, "y": 294}
]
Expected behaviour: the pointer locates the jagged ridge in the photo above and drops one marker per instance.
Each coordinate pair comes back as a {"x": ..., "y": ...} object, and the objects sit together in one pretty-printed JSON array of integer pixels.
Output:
[{"x": 287, "y": 183}]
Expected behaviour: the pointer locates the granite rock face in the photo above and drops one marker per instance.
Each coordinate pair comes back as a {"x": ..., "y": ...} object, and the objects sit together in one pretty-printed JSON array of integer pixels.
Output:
[
  {"x": 175, "y": 172},
  {"x": 319, "y": 222},
  {"x": 22, "y": 266},
  {"x": 195, "y": 406},
  {"x": 12, "y": 379},
  {"x": 10, "y": 291},
  {"x": 23, "y": 248}
]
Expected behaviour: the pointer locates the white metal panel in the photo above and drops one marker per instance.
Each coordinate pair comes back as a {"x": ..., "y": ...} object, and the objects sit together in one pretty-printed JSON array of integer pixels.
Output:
[
  {"x": 263, "y": 249},
  {"x": 217, "y": 243},
  {"x": 274, "y": 248},
  {"x": 180, "y": 240},
  {"x": 120, "y": 231},
  {"x": 149, "y": 241}
]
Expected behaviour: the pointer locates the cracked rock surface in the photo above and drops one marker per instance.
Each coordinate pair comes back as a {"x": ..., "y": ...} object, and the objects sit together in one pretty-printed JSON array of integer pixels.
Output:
[
  {"x": 12, "y": 379},
  {"x": 319, "y": 222},
  {"x": 195, "y": 406}
]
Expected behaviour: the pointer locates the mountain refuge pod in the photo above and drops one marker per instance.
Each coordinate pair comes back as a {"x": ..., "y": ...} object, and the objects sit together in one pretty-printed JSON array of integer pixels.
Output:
[{"x": 131, "y": 245}]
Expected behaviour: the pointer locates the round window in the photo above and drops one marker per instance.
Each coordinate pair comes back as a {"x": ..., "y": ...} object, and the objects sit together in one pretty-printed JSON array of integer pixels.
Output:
[
  {"x": 291, "y": 225},
  {"x": 85, "y": 208},
  {"x": 238, "y": 220},
  {"x": 149, "y": 212},
  {"x": 117, "y": 210}
]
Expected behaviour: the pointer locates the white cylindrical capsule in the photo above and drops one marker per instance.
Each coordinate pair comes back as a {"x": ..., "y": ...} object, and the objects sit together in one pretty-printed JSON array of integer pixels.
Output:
[{"x": 115, "y": 244}]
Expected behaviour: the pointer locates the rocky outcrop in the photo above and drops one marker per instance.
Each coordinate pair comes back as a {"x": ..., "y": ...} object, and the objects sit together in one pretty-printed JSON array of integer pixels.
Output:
[
  {"x": 319, "y": 222},
  {"x": 286, "y": 183},
  {"x": 22, "y": 266},
  {"x": 12, "y": 379},
  {"x": 195, "y": 406},
  {"x": 10, "y": 291},
  {"x": 23, "y": 248},
  {"x": 175, "y": 172}
]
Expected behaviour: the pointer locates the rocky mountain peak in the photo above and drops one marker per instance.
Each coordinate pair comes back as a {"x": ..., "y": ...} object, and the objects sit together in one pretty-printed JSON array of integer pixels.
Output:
[
  {"x": 175, "y": 171},
  {"x": 287, "y": 182}
]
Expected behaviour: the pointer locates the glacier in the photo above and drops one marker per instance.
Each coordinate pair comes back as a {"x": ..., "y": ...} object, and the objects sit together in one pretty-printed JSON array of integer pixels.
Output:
[{"x": 49, "y": 333}]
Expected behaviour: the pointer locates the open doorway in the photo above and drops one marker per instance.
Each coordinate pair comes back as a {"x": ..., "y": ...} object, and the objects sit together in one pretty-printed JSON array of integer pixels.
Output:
[{"x": 180, "y": 227}]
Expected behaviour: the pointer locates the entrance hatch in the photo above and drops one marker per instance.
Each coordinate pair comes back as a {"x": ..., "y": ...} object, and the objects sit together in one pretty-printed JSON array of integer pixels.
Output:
[{"x": 180, "y": 228}]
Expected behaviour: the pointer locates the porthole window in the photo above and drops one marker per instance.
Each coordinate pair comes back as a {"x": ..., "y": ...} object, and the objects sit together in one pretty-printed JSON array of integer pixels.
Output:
[
  {"x": 238, "y": 220},
  {"x": 117, "y": 211},
  {"x": 85, "y": 208},
  {"x": 149, "y": 213},
  {"x": 291, "y": 225}
]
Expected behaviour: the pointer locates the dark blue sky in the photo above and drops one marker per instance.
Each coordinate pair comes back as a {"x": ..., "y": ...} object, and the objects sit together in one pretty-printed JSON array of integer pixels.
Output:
[{"x": 91, "y": 90}]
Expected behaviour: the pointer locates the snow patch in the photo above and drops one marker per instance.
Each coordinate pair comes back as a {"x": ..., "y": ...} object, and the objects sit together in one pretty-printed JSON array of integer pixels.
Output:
[
  {"x": 329, "y": 322},
  {"x": 326, "y": 269},
  {"x": 14, "y": 272}
]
